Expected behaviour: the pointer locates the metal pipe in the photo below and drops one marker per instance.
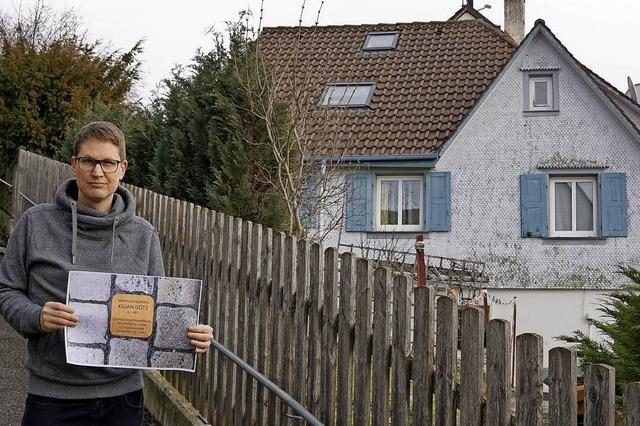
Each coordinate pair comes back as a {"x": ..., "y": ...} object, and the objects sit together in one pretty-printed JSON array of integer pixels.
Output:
[
  {"x": 11, "y": 187},
  {"x": 422, "y": 277},
  {"x": 514, "y": 343},
  {"x": 285, "y": 397}
]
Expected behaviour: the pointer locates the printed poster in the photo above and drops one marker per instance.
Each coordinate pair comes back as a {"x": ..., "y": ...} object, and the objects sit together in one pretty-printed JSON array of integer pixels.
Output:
[{"x": 132, "y": 321}]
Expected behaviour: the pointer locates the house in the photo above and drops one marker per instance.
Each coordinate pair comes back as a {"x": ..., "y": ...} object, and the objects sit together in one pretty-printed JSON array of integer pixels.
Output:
[{"x": 513, "y": 154}]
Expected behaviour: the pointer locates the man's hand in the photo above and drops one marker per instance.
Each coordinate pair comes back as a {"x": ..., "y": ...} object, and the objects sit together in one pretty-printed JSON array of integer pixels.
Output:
[
  {"x": 55, "y": 316},
  {"x": 200, "y": 337}
]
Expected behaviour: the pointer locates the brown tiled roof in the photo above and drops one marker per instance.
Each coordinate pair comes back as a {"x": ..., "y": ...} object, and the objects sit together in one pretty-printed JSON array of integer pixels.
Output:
[
  {"x": 629, "y": 108},
  {"x": 423, "y": 89}
]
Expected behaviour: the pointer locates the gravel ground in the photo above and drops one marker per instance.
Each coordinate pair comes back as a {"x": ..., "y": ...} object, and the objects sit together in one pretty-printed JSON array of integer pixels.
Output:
[{"x": 13, "y": 380}]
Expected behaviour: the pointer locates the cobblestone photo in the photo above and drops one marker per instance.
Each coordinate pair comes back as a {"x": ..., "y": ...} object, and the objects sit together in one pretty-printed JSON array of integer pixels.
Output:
[{"x": 132, "y": 321}]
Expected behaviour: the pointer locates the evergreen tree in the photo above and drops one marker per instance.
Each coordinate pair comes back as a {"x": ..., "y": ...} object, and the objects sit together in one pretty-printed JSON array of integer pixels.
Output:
[
  {"x": 621, "y": 331},
  {"x": 204, "y": 130}
]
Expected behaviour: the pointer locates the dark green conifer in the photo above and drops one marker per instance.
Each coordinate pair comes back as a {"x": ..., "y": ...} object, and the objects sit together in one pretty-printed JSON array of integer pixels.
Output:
[{"x": 620, "y": 328}]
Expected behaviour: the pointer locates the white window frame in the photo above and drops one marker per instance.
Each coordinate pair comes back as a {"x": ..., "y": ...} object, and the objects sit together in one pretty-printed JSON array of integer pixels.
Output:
[
  {"x": 345, "y": 103},
  {"x": 533, "y": 79},
  {"x": 530, "y": 78},
  {"x": 372, "y": 34},
  {"x": 396, "y": 228},
  {"x": 552, "y": 206}
]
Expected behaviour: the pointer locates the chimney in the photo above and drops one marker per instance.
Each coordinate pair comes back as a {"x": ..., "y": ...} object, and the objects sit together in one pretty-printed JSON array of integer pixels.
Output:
[
  {"x": 514, "y": 19},
  {"x": 470, "y": 3},
  {"x": 633, "y": 91}
]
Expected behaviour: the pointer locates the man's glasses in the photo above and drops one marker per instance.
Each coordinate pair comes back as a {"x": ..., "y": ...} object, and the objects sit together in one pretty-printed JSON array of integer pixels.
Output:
[{"x": 87, "y": 164}]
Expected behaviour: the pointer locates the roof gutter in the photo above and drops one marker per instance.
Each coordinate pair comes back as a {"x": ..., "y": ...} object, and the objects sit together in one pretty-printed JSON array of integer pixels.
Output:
[
  {"x": 375, "y": 158},
  {"x": 388, "y": 160}
]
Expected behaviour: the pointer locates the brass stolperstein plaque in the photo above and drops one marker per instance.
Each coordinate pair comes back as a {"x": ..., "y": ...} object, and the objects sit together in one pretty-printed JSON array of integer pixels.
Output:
[{"x": 132, "y": 315}]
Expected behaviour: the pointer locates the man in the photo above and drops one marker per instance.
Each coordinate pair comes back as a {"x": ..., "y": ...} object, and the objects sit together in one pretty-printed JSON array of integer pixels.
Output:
[{"x": 92, "y": 227}]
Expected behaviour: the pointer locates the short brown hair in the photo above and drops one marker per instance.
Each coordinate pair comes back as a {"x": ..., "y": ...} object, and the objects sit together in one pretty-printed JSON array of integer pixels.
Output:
[{"x": 102, "y": 131}]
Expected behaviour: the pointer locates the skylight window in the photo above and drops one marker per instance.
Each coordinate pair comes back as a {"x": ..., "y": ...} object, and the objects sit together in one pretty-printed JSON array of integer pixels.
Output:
[
  {"x": 381, "y": 40},
  {"x": 357, "y": 95}
]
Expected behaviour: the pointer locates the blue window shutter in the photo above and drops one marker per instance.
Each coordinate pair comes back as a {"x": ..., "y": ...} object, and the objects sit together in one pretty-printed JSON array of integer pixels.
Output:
[
  {"x": 613, "y": 204},
  {"x": 533, "y": 206},
  {"x": 358, "y": 199},
  {"x": 437, "y": 201},
  {"x": 311, "y": 196}
]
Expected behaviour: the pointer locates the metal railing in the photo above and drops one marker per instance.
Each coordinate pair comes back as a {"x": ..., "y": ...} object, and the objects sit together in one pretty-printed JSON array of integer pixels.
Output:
[
  {"x": 12, "y": 189},
  {"x": 302, "y": 412},
  {"x": 440, "y": 271}
]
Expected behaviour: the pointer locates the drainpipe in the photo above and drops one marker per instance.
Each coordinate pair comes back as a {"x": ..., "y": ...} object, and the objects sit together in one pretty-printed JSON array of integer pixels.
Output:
[{"x": 422, "y": 279}]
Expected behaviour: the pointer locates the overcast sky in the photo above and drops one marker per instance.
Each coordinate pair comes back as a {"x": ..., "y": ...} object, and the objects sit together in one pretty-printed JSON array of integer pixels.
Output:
[{"x": 604, "y": 35}]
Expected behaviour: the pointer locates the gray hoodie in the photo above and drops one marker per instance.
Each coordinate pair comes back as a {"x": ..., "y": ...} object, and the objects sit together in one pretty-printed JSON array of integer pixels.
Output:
[{"x": 50, "y": 240}]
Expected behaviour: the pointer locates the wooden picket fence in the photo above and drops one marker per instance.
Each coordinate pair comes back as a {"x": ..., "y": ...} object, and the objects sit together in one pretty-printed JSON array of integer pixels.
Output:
[{"x": 334, "y": 332}]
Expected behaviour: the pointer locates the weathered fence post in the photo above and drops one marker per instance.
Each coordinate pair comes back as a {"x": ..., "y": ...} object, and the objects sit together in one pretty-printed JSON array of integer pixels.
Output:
[
  {"x": 216, "y": 300},
  {"x": 234, "y": 266},
  {"x": 362, "y": 364},
  {"x": 400, "y": 407},
  {"x": 563, "y": 399},
  {"x": 40, "y": 181},
  {"x": 327, "y": 375},
  {"x": 498, "y": 407},
  {"x": 381, "y": 342},
  {"x": 265, "y": 320},
  {"x": 299, "y": 375},
  {"x": 288, "y": 314},
  {"x": 599, "y": 395},
  {"x": 169, "y": 249},
  {"x": 471, "y": 368},
  {"x": 276, "y": 329},
  {"x": 194, "y": 379},
  {"x": 203, "y": 264},
  {"x": 345, "y": 346},
  {"x": 241, "y": 327},
  {"x": 529, "y": 379},
  {"x": 253, "y": 322},
  {"x": 446, "y": 360},
  {"x": 222, "y": 325},
  {"x": 200, "y": 260},
  {"x": 631, "y": 404},
  {"x": 16, "y": 199},
  {"x": 184, "y": 216},
  {"x": 315, "y": 327},
  {"x": 194, "y": 242},
  {"x": 422, "y": 368}
]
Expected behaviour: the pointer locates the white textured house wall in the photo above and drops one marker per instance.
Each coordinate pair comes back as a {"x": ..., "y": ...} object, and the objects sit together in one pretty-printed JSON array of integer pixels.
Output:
[
  {"x": 499, "y": 144},
  {"x": 486, "y": 159},
  {"x": 575, "y": 309}
]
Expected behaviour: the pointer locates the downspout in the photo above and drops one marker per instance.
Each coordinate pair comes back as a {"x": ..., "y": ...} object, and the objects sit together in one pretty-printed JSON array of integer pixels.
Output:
[{"x": 323, "y": 173}]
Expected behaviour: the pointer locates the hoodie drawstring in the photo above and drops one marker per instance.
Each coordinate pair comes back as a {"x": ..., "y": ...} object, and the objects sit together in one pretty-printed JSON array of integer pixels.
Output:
[
  {"x": 74, "y": 236},
  {"x": 74, "y": 226},
  {"x": 113, "y": 243}
]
